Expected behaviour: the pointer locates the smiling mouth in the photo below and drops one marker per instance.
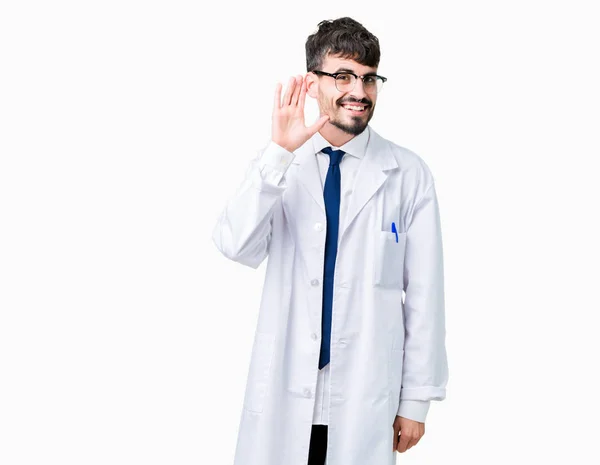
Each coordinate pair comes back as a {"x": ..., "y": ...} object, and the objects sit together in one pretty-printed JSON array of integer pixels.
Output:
[{"x": 355, "y": 109}]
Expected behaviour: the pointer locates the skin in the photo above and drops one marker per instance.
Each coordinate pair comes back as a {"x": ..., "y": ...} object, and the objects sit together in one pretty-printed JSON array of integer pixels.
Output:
[
  {"x": 335, "y": 123},
  {"x": 410, "y": 431},
  {"x": 337, "y": 126}
]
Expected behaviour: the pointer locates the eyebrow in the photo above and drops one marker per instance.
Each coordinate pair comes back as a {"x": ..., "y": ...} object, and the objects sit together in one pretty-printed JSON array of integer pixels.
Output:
[{"x": 348, "y": 70}]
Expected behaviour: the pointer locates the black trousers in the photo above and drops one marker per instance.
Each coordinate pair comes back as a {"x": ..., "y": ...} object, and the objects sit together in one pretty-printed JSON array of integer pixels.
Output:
[{"x": 318, "y": 445}]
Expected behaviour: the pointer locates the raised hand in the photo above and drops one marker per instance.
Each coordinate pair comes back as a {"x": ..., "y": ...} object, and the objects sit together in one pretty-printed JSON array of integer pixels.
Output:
[{"x": 288, "y": 128}]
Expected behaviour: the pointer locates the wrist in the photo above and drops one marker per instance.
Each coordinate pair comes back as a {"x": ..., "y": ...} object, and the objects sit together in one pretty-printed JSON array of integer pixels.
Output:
[{"x": 283, "y": 145}]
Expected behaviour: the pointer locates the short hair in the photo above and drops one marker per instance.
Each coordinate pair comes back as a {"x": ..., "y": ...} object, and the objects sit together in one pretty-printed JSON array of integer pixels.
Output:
[{"x": 343, "y": 37}]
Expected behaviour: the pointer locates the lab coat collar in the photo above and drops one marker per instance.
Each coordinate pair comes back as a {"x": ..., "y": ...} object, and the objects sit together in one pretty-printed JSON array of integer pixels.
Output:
[{"x": 372, "y": 172}]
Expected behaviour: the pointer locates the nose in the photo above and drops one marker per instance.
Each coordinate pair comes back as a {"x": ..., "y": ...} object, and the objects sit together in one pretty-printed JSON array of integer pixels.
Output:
[{"x": 359, "y": 90}]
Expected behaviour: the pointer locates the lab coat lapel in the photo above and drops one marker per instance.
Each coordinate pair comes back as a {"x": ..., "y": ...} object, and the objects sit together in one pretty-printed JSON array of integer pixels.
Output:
[
  {"x": 372, "y": 173},
  {"x": 308, "y": 172}
]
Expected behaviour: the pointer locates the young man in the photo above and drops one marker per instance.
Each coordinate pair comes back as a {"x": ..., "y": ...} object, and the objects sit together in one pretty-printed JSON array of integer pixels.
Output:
[{"x": 342, "y": 369}]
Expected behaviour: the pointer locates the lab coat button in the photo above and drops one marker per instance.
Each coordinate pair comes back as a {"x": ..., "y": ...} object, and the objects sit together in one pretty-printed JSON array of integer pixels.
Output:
[
  {"x": 313, "y": 336},
  {"x": 318, "y": 227},
  {"x": 307, "y": 392},
  {"x": 315, "y": 282}
]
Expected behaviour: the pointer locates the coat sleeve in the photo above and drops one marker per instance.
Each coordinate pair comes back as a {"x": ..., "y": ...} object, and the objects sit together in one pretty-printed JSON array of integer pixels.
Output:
[
  {"x": 425, "y": 367},
  {"x": 243, "y": 229}
]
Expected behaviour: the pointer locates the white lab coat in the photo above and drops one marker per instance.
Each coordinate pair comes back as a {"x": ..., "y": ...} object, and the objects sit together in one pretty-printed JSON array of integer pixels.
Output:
[{"x": 385, "y": 349}]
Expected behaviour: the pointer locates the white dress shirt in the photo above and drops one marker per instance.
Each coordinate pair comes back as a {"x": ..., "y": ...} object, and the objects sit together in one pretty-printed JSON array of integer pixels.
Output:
[
  {"x": 274, "y": 162},
  {"x": 355, "y": 150}
]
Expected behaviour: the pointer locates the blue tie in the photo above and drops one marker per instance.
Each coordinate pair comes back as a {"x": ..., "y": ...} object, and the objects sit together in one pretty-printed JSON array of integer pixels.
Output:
[{"x": 331, "y": 195}]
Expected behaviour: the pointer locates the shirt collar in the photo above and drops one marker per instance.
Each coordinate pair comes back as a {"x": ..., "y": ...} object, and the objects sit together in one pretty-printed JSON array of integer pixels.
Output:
[{"x": 356, "y": 146}]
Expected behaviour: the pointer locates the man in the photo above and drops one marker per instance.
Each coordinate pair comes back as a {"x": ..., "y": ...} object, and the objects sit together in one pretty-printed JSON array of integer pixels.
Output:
[{"x": 342, "y": 369}]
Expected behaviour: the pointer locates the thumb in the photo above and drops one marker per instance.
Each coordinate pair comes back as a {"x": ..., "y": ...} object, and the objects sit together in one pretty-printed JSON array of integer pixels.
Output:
[{"x": 318, "y": 124}]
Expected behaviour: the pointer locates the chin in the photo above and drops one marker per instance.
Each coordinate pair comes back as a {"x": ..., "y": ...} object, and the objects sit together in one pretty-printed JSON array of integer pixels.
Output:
[
  {"x": 353, "y": 129},
  {"x": 355, "y": 126}
]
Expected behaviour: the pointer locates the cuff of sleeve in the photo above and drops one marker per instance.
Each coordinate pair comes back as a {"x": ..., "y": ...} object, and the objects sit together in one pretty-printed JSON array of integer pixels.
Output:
[
  {"x": 275, "y": 161},
  {"x": 414, "y": 409}
]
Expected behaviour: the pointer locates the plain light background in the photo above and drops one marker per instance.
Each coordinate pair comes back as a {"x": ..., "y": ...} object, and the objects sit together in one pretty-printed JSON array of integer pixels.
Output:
[{"x": 125, "y": 126}]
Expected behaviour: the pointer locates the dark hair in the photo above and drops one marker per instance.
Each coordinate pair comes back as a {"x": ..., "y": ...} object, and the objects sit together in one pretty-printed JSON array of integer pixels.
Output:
[{"x": 343, "y": 37}]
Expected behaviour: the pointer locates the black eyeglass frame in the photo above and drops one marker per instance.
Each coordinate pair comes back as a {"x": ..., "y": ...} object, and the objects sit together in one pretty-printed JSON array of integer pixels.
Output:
[{"x": 335, "y": 75}]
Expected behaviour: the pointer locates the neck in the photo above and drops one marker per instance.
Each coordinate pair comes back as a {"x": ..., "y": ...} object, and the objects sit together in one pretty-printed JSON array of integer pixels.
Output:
[{"x": 334, "y": 135}]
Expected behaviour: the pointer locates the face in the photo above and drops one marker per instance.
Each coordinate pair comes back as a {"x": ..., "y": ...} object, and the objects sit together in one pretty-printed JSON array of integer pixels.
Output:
[{"x": 334, "y": 103}]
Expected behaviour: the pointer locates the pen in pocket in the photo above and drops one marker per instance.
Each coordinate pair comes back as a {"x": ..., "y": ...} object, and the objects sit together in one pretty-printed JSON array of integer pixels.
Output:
[{"x": 394, "y": 230}]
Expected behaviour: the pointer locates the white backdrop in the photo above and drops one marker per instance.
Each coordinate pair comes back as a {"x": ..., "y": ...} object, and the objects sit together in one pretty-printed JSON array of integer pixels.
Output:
[{"x": 125, "y": 125}]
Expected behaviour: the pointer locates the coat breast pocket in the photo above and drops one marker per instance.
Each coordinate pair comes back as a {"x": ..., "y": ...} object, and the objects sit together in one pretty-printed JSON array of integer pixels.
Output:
[
  {"x": 389, "y": 260},
  {"x": 258, "y": 373}
]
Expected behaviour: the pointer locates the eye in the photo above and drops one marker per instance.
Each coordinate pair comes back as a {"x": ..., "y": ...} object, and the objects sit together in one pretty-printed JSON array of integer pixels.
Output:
[
  {"x": 370, "y": 80},
  {"x": 344, "y": 77}
]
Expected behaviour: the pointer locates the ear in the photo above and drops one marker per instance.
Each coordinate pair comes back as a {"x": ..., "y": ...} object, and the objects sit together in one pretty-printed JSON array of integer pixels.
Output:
[{"x": 312, "y": 85}]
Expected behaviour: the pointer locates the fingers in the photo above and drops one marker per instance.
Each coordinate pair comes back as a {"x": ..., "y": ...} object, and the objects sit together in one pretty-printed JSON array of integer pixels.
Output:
[
  {"x": 289, "y": 91},
  {"x": 277, "y": 102},
  {"x": 318, "y": 125},
  {"x": 294, "y": 93},
  {"x": 403, "y": 443},
  {"x": 407, "y": 440},
  {"x": 302, "y": 97},
  {"x": 297, "y": 90},
  {"x": 412, "y": 442}
]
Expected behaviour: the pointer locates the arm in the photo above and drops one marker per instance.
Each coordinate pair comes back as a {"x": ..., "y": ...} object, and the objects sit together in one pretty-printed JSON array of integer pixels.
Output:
[
  {"x": 425, "y": 368},
  {"x": 243, "y": 230}
]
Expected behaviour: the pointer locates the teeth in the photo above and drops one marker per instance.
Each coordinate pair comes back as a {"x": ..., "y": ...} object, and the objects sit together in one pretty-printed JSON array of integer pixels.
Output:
[{"x": 352, "y": 107}]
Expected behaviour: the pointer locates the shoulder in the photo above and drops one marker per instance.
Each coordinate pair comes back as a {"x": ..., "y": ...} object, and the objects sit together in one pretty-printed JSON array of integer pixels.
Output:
[{"x": 411, "y": 165}]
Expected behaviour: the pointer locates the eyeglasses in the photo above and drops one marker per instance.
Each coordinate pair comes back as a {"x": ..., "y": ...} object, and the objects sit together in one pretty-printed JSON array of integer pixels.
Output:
[{"x": 346, "y": 81}]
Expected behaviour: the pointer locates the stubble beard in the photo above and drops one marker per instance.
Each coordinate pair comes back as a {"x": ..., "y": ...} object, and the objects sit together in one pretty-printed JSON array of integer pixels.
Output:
[{"x": 359, "y": 122}]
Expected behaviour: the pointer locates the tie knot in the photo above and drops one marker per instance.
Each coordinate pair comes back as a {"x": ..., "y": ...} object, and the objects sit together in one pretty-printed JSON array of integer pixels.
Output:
[{"x": 335, "y": 156}]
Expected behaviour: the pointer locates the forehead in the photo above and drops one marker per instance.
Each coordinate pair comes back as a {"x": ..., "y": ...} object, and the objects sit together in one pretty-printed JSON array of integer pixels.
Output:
[{"x": 333, "y": 64}]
